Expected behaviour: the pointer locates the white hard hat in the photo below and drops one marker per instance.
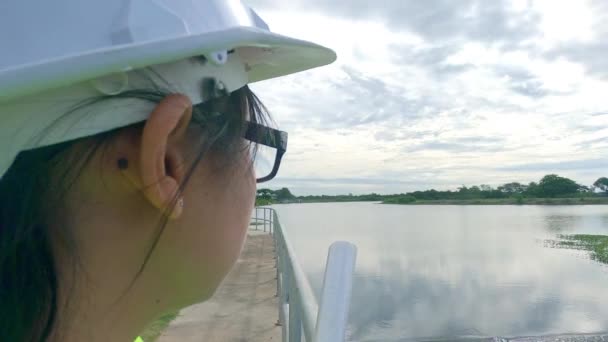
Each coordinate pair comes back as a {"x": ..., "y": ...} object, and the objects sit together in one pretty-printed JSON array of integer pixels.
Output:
[{"x": 56, "y": 53}]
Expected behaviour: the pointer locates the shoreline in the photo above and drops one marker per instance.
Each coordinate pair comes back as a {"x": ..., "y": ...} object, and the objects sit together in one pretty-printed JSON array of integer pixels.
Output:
[
  {"x": 496, "y": 201},
  {"x": 511, "y": 201}
]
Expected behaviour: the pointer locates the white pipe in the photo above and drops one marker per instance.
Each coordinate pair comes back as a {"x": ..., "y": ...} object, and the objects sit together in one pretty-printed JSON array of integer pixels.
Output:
[{"x": 335, "y": 296}]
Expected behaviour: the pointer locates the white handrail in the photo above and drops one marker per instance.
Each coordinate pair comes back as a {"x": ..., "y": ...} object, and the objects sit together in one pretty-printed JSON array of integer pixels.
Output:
[
  {"x": 265, "y": 219},
  {"x": 298, "y": 309},
  {"x": 304, "y": 296},
  {"x": 335, "y": 298}
]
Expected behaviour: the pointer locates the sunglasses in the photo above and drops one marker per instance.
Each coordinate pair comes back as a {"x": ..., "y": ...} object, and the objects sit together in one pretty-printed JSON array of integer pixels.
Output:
[{"x": 269, "y": 146}]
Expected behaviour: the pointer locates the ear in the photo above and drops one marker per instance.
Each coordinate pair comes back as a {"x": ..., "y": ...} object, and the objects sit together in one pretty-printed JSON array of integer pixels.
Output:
[{"x": 161, "y": 161}]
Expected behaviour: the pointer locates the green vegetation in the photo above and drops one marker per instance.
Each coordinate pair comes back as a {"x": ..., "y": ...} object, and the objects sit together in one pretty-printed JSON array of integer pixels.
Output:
[
  {"x": 154, "y": 329},
  {"x": 551, "y": 189},
  {"x": 263, "y": 201},
  {"x": 406, "y": 199},
  {"x": 343, "y": 198},
  {"x": 505, "y": 201},
  {"x": 550, "y": 186},
  {"x": 596, "y": 244},
  {"x": 282, "y": 194},
  {"x": 602, "y": 184},
  {"x": 267, "y": 196}
]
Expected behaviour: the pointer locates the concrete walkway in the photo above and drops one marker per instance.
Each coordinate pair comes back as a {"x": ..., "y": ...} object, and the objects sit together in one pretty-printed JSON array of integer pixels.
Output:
[{"x": 244, "y": 308}]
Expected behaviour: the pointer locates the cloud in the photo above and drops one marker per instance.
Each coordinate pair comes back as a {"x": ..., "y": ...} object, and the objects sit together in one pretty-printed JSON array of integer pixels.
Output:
[
  {"x": 465, "y": 144},
  {"x": 559, "y": 165},
  {"x": 487, "y": 21},
  {"x": 440, "y": 93},
  {"x": 521, "y": 80},
  {"x": 432, "y": 57},
  {"x": 590, "y": 53},
  {"x": 589, "y": 143},
  {"x": 352, "y": 100},
  {"x": 346, "y": 180},
  {"x": 385, "y": 136}
]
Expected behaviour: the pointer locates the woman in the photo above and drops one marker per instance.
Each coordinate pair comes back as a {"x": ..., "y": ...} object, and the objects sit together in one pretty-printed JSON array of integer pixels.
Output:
[{"x": 127, "y": 145}]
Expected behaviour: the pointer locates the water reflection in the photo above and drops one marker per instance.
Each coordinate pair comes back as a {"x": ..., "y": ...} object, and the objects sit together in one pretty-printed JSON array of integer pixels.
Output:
[
  {"x": 560, "y": 223},
  {"x": 448, "y": 271},
  {"x": 604, "y": 219}
]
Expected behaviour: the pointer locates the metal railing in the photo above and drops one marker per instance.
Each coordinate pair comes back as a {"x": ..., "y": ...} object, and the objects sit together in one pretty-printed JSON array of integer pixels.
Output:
[
  {"x": 300, "y": 316},
  {"x": 262, "y": 216}
]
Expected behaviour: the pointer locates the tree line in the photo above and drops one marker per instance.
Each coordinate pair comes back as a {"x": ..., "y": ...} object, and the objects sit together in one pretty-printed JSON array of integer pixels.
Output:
[{"x": 550, "y": 186}]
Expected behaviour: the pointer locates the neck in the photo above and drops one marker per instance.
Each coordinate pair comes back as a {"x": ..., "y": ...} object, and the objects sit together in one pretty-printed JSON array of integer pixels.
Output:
[
  {"x": 100, "y": 315},
  {"x": 99, "y": 296}
]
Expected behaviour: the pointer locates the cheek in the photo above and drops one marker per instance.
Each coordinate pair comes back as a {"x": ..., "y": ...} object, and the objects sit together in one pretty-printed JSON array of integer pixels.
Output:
[
  {"x": 215, "y": 220},
  {"x": 234, "y": 212}
]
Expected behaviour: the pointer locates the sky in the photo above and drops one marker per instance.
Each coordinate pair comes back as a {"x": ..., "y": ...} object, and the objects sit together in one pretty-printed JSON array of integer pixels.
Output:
[{"x": 440, "y": 93}]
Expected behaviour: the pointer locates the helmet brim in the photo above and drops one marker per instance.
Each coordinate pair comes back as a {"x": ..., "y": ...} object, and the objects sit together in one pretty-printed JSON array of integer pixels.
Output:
[{"x": 281, "y": 56}]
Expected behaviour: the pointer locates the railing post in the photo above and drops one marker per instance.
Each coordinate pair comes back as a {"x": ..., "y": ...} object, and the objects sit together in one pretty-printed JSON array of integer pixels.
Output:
[
  {"x": 295, "y": 317},
  {"x": 284, "y": 281},
  {"x": 256, "y": 218},
  {"x": 276, "y": 266},
  {"x": 272, "y": 222}
]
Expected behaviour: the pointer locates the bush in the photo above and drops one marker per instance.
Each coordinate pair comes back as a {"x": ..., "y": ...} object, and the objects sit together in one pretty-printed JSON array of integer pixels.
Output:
[
  {"x": 407, "y": 199},
  {"x": 262, "y": 201}
]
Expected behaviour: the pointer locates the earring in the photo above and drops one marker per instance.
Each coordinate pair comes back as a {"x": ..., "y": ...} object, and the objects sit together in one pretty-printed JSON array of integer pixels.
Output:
[
  {"x": 123, "y": 163},
  {"x": 180, "y": 202}
]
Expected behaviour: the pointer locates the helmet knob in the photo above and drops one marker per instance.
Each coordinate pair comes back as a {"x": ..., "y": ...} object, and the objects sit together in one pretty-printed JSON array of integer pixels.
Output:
[{"x": 218, "y": 57}]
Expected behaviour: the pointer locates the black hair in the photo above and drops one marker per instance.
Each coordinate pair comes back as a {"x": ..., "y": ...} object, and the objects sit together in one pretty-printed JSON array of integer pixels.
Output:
[{"x": 32, "y": 189}]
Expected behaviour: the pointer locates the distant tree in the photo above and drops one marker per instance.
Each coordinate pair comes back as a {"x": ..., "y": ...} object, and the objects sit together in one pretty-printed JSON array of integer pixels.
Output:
[
  {"x": 513, "y": 188},
  {"x": 584, "y": 188},
  {"x": 401, "y": 199},
  {"x": 602, "y": 184},
  {"x": 265, "y": 194},
  {"x": 284, "y": 195},
  {"x": 494, "y": 193},
  {"x": 532, "y": 190},
  {"x": 554, "y": 185},
  {"x": 485, "y": 187}
]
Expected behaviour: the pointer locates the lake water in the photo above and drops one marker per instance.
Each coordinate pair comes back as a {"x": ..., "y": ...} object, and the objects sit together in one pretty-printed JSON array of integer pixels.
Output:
[{"x": 431, "y": 272}]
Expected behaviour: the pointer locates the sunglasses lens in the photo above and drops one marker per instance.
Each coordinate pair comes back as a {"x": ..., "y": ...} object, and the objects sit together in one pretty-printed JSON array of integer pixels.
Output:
[{"x": 263, "y": 158}]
